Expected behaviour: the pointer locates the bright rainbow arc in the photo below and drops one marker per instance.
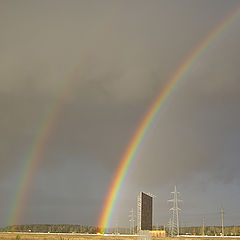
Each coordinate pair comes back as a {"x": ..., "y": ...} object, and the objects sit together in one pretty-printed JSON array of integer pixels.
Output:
[
  {"x": 49, "y": 122},
  {"x": 134, "y": 144}
]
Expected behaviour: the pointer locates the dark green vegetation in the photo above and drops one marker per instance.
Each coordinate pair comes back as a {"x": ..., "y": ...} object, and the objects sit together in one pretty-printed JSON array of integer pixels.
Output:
[
  {"x": 211, "y": 230},
  {"x": 67, "y": 228},
  {"x": 208, "y": 230},
  {"x": 14, "y": 236},
  {"x": 56, "y": 228}
]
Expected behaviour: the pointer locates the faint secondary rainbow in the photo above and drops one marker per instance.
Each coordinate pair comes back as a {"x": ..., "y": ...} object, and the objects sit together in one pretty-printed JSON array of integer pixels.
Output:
[
  {"x": 30, "y": 166},
  {"x": 138, "y": 136},
  {"x": 35, "y": 156}
]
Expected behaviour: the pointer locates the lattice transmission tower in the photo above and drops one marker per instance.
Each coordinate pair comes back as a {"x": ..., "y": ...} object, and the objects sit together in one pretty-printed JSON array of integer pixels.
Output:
[
  {"x": 131, "y": 222},
  {"x": 174, "y": 219}
]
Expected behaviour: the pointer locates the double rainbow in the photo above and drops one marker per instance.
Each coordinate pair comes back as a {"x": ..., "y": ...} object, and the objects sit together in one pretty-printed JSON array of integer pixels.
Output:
[
  {"x": 39, "y": 145},
  {"x": 133, "y": 146}
]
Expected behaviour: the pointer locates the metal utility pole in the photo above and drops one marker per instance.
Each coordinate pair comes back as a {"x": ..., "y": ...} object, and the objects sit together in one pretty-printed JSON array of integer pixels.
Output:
[
  {"x": 175, "y": 213},
  {"x": 131, "y": 222},
  {"x": 203, "y": 226},
  {"x": 116, "y": 228},
  {"x": 222, "y": 217}
]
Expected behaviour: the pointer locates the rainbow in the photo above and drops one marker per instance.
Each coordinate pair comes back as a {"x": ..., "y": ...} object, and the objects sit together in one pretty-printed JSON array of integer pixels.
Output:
[
  {"x": 35, "y": 156},
  {"x": 134, "y": 144}
]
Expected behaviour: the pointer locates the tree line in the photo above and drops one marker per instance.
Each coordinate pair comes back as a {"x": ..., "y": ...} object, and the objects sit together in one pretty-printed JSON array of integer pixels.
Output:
[
  {"x": 211, "y": 230},
  {"x": 68, "y": 228},
  {"x": 51, "y": 228},
  {"x": 207, "y": 230}
]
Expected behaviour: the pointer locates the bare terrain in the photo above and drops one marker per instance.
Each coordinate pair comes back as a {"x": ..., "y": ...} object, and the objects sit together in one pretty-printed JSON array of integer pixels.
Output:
[
  {"x": 27, "y": 236},
  {"x": 33, "y": 236}
]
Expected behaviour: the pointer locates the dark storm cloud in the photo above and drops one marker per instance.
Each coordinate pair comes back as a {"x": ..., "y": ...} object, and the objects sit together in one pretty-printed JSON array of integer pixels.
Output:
[{"x": 114, "y": 57}]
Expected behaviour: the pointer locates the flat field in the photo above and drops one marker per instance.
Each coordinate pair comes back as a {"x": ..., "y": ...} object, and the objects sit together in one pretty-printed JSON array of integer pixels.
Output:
[{"x": 22, "y": 236}]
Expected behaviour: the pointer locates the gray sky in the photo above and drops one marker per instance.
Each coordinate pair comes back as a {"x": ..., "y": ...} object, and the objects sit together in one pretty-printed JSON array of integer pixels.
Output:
[{"x": 115, "y": 56}]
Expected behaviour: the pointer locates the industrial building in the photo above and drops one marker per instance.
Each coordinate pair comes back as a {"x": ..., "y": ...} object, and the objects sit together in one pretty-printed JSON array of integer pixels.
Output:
[{"x": 145, "y": 208}]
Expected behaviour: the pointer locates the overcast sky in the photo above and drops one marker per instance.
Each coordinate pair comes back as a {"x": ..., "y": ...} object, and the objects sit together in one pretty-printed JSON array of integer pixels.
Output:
[{"x": 115, "y": 57}]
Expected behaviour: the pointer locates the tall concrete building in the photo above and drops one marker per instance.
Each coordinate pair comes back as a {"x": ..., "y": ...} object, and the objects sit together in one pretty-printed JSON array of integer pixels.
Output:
[{"x": 145, "y": 207}]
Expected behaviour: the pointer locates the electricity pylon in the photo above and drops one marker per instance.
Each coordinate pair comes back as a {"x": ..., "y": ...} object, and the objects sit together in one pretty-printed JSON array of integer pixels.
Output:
[
  {"x": 175, "y": 213},
  {"x": 170, "y": 231},
  {"x": 131, "y": 222}
]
